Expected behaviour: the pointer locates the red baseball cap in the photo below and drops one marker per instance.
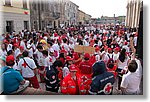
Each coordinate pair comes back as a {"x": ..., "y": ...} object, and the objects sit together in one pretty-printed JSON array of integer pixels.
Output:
[
  {"x": 10, "y": 59},
  {"x": 109, "y": 49},
  {"x": 21, "y": 48},
  {"x": 117, "y": 49},
  {"x": 125, "y": 43},
  {"x": 86, "y": 55},
  {"x": 5, "y": 41},
  {"x": 68, "y": 58},
  {"x": 97, "y": 48},
  {"x": 73, "y": 67},
  {"x": 16, "y": 45}
]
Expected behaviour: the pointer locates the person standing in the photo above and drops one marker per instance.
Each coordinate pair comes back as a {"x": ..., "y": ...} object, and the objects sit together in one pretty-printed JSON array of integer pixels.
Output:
[
  {"x": 52, "y": 77},
  {"x": 28, "y": 70},
  {"x": 122, "y": 63}
]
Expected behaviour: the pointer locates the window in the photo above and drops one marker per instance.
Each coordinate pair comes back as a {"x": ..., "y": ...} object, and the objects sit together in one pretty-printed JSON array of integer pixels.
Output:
[
  {"x": 26, "y": 24},
  {"x": 35, "y": 25},
  {"x": 42, "y": 6},
  {"x": 7, "y": 2},
  {"x": 9, "y": 26},
  {"x": 34, "y": 6},
  {"x": 25, "y": 4}
]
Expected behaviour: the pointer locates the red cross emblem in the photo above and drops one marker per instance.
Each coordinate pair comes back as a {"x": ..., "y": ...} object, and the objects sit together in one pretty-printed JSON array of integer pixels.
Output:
[
  {"x": 50, "y": 59},
  {"x": 108, "y": 88},
  {"x": 24, "y": 65},
  {"x": 84, "y": 78}
]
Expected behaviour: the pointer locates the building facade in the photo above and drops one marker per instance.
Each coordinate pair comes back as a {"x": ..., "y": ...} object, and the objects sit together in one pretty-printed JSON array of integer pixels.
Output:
[
  {"x": 15, "y": 15},
  {"x": 43, "y": 14},
  {"x": 52, "y": 13},
  {"x": 87, "y": 19},
  {"x": 71, "y": 13},
  {"x": 83, "y": 18},
  {"x": 105, "y": 20},
  {"x": 133, "y": 13}
]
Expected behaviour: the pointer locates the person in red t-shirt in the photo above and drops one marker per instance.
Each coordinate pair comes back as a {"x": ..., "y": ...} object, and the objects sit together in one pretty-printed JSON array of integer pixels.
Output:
[
  {"x": 85, "y": 69},
  {"x": 77, "y": 58},
  {"x": 85, "y": 66}
]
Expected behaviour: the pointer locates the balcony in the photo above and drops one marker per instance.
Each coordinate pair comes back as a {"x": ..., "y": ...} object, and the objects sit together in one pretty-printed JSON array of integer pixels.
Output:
[{"x": 50, "y": 15}]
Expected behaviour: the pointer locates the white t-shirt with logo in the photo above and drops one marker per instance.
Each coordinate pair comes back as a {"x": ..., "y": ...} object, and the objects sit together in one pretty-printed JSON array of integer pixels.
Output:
[{"x": 26, "y": 71}]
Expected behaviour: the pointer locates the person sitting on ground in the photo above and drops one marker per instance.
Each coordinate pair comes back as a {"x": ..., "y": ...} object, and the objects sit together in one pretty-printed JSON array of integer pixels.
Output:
[{"x": 12, "y": 80}]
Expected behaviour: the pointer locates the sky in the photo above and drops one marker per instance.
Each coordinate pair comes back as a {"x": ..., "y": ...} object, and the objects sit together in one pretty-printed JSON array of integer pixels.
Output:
[{"x": 97, "y": 8}]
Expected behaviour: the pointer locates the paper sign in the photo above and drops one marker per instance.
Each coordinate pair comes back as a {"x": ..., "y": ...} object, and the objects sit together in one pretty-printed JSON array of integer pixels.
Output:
[{"x": 84, "y": 49}]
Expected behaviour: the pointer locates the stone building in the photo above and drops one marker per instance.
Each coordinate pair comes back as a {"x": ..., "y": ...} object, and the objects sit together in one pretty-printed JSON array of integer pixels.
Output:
[
  {"x": 43, "y": 13},
  {"x": 71, "y": 13},
  {"x": 105, "y": 20},
  {"x": 15, "y": 15},
  {"x": 83, "y": 18},
  {"x": 52, "y": 13},
  {"x": 133, "y": 13}
]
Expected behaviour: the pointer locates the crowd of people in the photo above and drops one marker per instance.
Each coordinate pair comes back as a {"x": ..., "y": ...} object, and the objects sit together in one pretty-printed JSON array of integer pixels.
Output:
[{"x": 50, "y": 55}]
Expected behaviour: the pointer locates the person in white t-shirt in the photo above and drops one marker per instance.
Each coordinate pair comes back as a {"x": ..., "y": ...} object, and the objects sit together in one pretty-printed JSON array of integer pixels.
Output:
[
  {"x": 51, "y": 51},
  {"x": 125, "y": 46},
  {"x": 108, "y": 55},
  {"x": 56, "y": 49},
  {"x": 47, "y": 59},
  {"x": 130, "y": 84},
  {"x": 65, "y": 45},
  {"x": 86, "y": 42},
  {"x": 122, "y": 63},
  {"x": 97, "y": 54},
  {"x": 28, "y": 69},
  {"x": 16, "y": 51},
  {"x": 9, "y": 47},
  {"x": 103, "y": 54},
  {"x": 30, "y": 50},
  {"x": 22, "y": 43},
  {"x": 39, "y": 58},
  {"x": 116, "y": 54}
]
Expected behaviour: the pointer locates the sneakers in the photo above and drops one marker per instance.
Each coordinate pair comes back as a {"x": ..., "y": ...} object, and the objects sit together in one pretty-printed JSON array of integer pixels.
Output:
[{"x": 22, "y": 87}]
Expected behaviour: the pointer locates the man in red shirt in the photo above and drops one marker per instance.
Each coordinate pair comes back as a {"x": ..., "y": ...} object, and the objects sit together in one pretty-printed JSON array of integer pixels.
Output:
[
  {"x": 70, "y": 84},
  {"x": 85, "y": 69},
  {"x": 85, "y": 66}
]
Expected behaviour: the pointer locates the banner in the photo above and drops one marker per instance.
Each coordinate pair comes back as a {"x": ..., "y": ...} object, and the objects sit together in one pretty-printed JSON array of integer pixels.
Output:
[{"x": 84, "y": 49}]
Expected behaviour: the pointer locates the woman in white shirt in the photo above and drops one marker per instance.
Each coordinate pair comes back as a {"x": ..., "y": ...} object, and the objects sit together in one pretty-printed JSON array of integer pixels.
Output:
[{"x": 122, "y": 63}]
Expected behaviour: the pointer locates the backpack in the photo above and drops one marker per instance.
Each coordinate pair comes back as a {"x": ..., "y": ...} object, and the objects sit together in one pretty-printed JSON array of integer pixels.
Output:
[{"x": 51, "y": 77}]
